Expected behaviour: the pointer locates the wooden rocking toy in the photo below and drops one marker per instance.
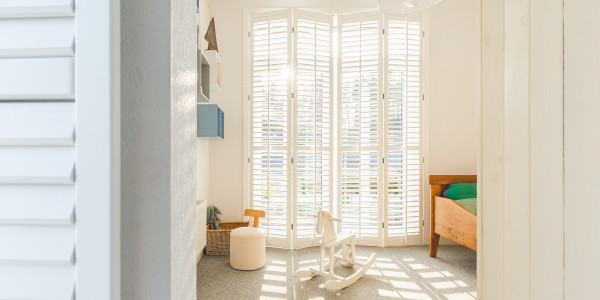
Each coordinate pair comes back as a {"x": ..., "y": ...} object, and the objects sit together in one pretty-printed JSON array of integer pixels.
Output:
[{"x": 346, "y": 254}]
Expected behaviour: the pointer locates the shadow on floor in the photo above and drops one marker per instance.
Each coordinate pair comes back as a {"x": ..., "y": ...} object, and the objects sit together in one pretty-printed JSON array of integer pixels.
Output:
[{"x": 398, "y": 273}]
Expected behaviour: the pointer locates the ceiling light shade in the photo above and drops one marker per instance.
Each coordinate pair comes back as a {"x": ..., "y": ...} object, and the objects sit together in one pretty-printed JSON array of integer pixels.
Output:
[{"x": 405, "y": 7}]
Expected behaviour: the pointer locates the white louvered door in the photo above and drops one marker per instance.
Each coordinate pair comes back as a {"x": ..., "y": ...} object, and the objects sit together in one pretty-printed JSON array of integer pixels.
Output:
[
  {"x": 313, "y": 122},
  {"x": 58, "y": 158},
  {"x": 403, "y": 130},
  {"x": 360, "y": 134},
  {"x": 37, "y": 150},
  {"x": 271, "y": 119}
]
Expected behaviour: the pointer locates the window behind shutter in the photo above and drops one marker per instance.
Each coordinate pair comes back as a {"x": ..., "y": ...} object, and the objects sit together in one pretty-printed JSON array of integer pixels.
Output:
[
  {"x": 360, "y": 171},
  {"x": 313, "y": 122},
  {"x": 403, "y": 147},
  {"x": 379, "y": 142},
  {"x": 270, "y": 174}
]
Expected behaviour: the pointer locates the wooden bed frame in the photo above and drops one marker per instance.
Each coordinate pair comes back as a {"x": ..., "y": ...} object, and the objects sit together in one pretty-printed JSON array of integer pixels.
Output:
[{"x": 448, "y": 218}]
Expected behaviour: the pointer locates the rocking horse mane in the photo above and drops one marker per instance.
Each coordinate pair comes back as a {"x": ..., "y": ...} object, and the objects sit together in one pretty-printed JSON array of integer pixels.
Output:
[{"x": 323, "y": 218}]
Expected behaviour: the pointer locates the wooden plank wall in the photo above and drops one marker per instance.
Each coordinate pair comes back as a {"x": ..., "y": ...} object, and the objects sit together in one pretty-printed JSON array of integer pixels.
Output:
[
  {"x": 582, "y": 148},
  {"x": 540, "y": 143},
  {"x": 521, "y": 243}
]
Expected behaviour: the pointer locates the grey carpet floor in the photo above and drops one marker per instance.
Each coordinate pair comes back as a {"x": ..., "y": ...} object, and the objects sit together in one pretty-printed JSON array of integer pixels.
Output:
[{"x": 398, "y": 273}]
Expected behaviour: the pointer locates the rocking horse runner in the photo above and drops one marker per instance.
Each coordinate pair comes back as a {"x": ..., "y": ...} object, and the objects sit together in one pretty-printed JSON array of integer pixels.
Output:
[{"x": 346, "y": 254}]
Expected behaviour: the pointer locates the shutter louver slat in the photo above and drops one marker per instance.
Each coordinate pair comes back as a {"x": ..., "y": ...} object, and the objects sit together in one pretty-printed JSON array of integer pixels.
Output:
[
  {"x": 37, "y": 79},
  {"x": 42, "y": 282},
  {"x": 37, "y": 204},
  {"x": 37, "y": 124},
  {"x": 58, "y": 244},
  {"x": 36, "y": 8},
  {"x": 42, "y": 37},
  {"x": 37, "y": 165}
]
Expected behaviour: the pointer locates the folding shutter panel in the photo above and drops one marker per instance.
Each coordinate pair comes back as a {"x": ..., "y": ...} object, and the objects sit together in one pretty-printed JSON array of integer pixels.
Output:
[
  {"x": 313, "y": 122},
  {"x": 403, "y": 147},
  {"x": 271, "y": 111},
  {"x": 37, "y": 150},
  {"x": 360, "y": 96}
]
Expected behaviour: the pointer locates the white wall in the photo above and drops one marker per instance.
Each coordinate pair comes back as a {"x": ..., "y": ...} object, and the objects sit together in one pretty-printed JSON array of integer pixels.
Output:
[
  {"x": 451, "y": 86},
  {"x": 203, "y": 145},
  {"x": 158, "y": 82},
  {"x": 183, "y": 149},
  {"x": 452, "y": 92}
]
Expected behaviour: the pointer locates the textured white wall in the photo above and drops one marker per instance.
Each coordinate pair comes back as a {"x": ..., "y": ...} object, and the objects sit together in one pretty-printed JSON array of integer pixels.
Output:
[
  {"x": 158, "y": 149},
  {"x": 203, "y": 145},
  {"x": 145, "y": 148},
  {"x": 183, "y": 149}
]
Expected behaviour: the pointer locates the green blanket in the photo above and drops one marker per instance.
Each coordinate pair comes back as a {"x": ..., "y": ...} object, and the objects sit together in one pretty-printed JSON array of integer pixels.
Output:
[{"x": 470, "y": 204}]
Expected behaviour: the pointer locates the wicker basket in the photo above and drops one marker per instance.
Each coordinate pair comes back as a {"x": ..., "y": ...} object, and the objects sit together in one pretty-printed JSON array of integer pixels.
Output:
[{"x": 217, "y": 241}]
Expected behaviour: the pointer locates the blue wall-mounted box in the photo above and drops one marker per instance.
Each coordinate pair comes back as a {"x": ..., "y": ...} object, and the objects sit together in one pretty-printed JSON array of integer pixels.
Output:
[{"x": 211, "y": 121}]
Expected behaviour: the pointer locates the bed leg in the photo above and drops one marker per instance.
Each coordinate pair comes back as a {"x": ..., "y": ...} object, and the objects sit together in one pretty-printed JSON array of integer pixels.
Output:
[{"x": 434, "y": 242}]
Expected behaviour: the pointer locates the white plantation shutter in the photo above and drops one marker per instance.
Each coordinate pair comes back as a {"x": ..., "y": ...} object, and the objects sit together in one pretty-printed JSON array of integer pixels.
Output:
[
  {"x": 37, "y": 150},
  {"x": 360, "y": 134},
  {"x": 379, "y": 142},
  {"x": 403, "y": 119},
  {"x": 271, "y": 112},
  {"x": 313, "y": 122}
]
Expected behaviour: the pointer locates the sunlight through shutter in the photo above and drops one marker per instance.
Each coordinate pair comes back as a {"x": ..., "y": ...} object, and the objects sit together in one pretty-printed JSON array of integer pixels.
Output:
[
  {"x": 360, "y": 134},
  {"x": 403, "y": 145},
  {"x": 313, "y": 122},
  {"x": 270, "y": 46}
]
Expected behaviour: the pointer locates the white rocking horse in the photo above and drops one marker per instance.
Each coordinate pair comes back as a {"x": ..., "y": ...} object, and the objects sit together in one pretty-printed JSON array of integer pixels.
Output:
[{"x": 346, "y": 254}]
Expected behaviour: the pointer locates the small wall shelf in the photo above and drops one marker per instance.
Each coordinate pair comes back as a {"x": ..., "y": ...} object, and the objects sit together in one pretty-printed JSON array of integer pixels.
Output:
[
  {"x": 214, "y": 61},
  {"x": 211, "y": 121},
  {"x": 203, "y": 78}
]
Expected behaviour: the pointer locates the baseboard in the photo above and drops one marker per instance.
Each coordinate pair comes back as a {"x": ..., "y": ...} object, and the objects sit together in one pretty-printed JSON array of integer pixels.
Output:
[{"x": 199, "y": 255}]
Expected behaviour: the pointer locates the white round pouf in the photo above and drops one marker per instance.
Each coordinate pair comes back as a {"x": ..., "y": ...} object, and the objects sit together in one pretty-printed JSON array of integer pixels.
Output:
[{"x": 247, "y": 248}]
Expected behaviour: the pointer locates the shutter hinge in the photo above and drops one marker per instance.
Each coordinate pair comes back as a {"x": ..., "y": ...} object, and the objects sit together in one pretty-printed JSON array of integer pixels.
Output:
[
  {"x": 248, "y": 33},
  {"x": 292, "y": 225},
  {"x": 248, "y": 97},
  {"x": 383, "y": 95},
  {"x": 423, "y": 33},
  {"x": 292, "y": 160},
  {"x": 423, "y": 223},
  {"x": 292, "y": 29},
  {"x": 248, "y": 159},
  {"x": 383, "y": 31},
  {"x": 423, "y": 159},
  {"x": 382, "y": 225},
  {"x": 383, "y": 160},
  {"x": 423, "y": 97},
  {"x": 292, "y": 95}
]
